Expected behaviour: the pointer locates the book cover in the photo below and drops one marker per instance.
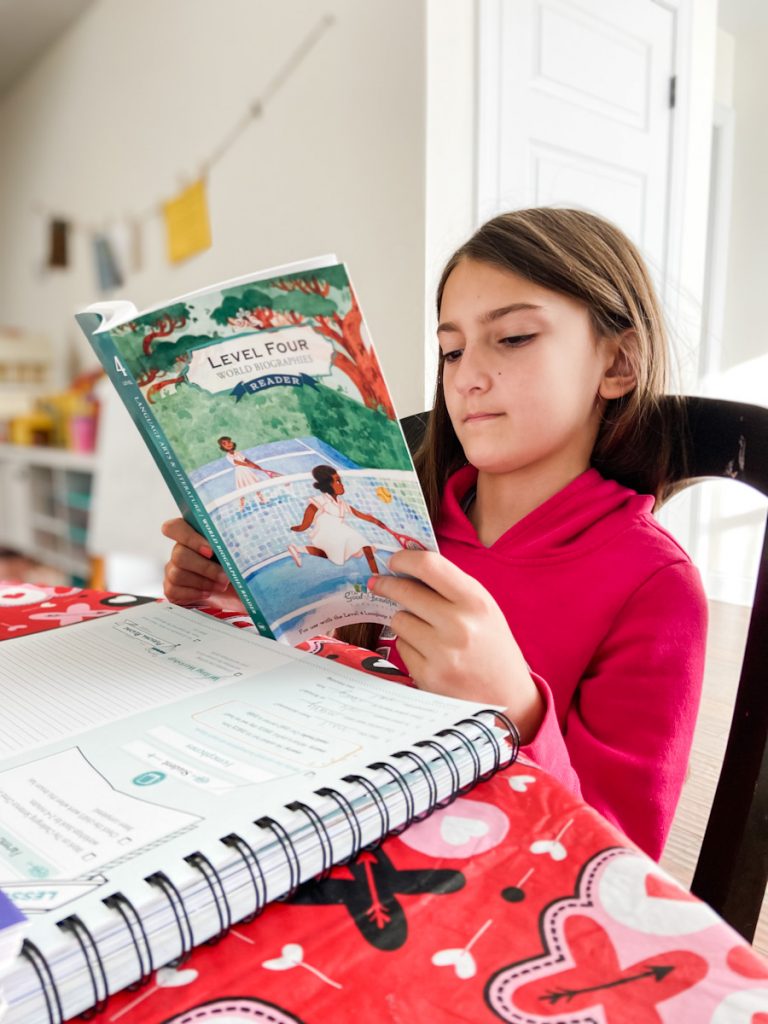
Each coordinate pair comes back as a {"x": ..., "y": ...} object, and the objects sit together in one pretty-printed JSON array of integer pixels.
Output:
[{"x": 264, "y": 405}]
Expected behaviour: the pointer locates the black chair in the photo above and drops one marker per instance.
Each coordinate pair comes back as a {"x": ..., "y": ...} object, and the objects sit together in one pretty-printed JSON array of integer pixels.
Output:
[{"x": 729, "y": 440}]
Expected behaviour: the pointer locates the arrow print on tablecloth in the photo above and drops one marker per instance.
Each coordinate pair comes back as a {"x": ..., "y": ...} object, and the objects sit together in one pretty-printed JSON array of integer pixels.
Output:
[
  {"x": 377, "y": 912},
  {"x": 292, "y": 955},
  {"x": 368, "y": 887},
  {"x": 658, "y": 973},
  {"x": 461, "y": 960},
  {"x": 516, "y": 893}
]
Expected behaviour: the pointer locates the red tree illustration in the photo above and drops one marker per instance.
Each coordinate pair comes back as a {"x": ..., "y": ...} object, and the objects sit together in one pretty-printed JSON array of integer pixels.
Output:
[
  {"x": 350, "y": 354},
  {"x": 169, "y": 320}
]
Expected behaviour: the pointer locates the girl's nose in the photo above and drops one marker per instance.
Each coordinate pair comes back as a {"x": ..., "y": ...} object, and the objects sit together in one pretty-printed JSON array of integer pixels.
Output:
[{"x": 472, "y": 373}]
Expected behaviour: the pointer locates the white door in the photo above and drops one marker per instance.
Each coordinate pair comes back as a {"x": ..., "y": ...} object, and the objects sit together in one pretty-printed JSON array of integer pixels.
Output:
[{"x": 575, "y": 108}]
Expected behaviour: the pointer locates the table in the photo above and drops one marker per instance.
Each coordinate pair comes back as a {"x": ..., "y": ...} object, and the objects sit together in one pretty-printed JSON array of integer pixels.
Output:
[{"x": 517, "y": 903}]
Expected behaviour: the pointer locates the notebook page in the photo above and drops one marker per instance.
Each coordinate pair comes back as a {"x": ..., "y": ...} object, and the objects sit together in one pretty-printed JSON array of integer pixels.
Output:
[{"x": 66, "y": 681}]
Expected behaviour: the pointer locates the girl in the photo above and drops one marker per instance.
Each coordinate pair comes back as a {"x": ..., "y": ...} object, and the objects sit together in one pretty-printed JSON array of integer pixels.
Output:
[
  {"x": 245, "y": 470},
  {"x": 326, "y": 517},
  {"x": 556, "y": 594}
]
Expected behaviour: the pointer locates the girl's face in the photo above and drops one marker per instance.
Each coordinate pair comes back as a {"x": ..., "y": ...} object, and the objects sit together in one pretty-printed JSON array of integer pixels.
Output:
[
  {"x": 336, "y": 484},
  {"x": 227, "y": 444},
  {"x": 521, "y": 372}
]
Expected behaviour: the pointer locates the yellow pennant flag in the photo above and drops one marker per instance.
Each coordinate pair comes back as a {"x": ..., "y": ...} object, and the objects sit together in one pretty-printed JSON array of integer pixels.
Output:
[{"x": 187, "y": 227}]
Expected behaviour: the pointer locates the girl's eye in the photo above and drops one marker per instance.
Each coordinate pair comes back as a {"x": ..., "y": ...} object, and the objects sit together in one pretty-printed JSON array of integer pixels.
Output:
[
  {"x": 451, "y": 357},
  {"x": 516, "y": 340}
]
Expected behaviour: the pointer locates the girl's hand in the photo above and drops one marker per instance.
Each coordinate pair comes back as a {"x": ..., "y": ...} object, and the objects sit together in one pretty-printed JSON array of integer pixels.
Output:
[
  {"x": 191, "y": 576},
  {"x": 454, "y": 639}
]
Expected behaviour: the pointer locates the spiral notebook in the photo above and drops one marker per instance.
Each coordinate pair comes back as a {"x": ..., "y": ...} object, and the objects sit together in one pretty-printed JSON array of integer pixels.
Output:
[{"x": 164, "y": 775}]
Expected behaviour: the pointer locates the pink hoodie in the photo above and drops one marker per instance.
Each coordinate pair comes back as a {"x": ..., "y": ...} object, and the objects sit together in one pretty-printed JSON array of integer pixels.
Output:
[{"x": 610, "y": 615}]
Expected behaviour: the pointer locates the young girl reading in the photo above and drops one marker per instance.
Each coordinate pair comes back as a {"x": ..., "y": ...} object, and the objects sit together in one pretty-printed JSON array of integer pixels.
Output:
[{"x": 556, "y": 593}]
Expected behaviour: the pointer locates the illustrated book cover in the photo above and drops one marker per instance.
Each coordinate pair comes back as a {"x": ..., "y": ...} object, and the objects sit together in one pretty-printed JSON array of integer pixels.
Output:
[{"x": 263, "y": 403}]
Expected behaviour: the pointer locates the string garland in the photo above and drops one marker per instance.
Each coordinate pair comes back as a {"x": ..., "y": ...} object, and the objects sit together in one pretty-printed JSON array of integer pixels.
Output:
[{"x": 129, "y": 225}]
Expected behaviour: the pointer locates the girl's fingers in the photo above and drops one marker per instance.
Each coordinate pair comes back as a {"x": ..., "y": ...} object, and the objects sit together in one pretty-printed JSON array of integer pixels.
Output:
[
  {"x": 411, "y": 594},
  {"x": 184, "y": 595},
  {"x": 414, "y": 631},
  {"x": 414, "y": 662},
  {"x": 435, "y": 571},
  {"x": 185, "y": 566},
  {"x": 176, "y": 577},
  {"x": 180, "y": 531}
]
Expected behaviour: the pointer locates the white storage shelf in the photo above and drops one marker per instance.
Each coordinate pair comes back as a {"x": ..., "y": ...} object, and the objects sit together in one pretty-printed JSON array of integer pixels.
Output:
[{"x": 45, "y": 498}]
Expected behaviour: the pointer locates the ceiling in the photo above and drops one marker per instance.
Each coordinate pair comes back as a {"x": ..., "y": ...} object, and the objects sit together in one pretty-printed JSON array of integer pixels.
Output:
[{"x": 27, "y": 29}]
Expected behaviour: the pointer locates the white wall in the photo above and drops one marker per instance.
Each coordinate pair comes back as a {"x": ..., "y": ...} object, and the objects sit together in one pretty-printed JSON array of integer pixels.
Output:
[
  {"x": 136, "y": 95},
  {"x": 451, "y": 151},
  {"x": 733, "y": 517},
  {"x": 744, "y": 329}
]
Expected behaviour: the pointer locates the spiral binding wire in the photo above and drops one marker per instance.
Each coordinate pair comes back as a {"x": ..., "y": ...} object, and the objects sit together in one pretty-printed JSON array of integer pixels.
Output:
[
  {"x": 474, "y": 756},
  {"x": 45, "y": 977},
  {"x": 453, "y": 770},
  {"x": 120, "y": 902},
  {"x": 78, "y": 929},
  {"x": 169, "y": 890},
  {"x": 421, "y": 764},
  {"x": 247, "y": 852},
  {"x": 380, "y": 804},
  {"x": 324, "y": 839},
  {"x": 132, "y": 918},
  {"x": 352, "y": 820},
  {"x": 208, "y": 871},
  {"x": 399, "y": 779},
  {"x": 291, "y": 856},
  {"x": 514, "y": 735}
]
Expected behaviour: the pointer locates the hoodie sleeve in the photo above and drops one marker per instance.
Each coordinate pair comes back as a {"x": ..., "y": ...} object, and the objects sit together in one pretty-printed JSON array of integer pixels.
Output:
[{"x": 627, "y": 735}]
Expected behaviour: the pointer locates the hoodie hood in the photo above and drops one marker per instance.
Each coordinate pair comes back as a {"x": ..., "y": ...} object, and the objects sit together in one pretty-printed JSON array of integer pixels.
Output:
[{"x": 586, "y": 513}]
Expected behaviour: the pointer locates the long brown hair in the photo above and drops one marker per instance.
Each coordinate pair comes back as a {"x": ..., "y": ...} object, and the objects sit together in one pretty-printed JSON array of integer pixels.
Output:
[{"x": 589, "y": 259}]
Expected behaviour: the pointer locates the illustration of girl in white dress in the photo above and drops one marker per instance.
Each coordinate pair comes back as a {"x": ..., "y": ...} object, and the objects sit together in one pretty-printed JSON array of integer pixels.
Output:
[
  {"x": 327, "y": 518},
  {"x": 246, "y": 472}
]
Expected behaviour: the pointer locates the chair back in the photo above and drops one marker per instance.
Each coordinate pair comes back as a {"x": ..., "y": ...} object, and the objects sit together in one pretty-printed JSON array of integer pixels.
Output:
[{"x": 728, "y": 440}]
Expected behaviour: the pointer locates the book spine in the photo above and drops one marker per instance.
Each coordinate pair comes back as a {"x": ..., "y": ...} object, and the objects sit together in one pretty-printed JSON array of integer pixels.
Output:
[
  {"x": 161, "y": 450},
  {"x": 407, "y": 787}
]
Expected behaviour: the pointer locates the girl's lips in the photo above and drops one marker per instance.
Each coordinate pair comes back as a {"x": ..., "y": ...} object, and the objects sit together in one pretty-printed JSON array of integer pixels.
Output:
[{"x": 477, "y": 417}]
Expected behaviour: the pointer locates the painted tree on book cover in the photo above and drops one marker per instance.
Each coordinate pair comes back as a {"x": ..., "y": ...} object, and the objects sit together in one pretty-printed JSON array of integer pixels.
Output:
[
  {"x": 305, "y": 298},
  {"x": 155, "y": 354}
]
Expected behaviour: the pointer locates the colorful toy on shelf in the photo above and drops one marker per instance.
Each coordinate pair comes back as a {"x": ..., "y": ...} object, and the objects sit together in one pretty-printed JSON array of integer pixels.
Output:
[
  {"x": 63, "y": 420},
  {"x": 31, "y": 428},
  {"x": 25, "y": 366}
]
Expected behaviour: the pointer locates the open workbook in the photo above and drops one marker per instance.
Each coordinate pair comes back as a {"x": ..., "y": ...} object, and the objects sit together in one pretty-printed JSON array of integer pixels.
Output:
[
  {"x": 263, "y": 403},
  {"x": 163, "y": 775}
]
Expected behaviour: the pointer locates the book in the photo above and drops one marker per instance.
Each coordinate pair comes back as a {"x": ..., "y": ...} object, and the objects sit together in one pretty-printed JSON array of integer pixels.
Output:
[
  {"x": 164, "y": 775},
  {"x": 263, "y": 403}
]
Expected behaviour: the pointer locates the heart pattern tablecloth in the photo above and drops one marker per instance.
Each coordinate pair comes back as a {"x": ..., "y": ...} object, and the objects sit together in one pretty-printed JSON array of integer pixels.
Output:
[{"x": 516, "y": 902}]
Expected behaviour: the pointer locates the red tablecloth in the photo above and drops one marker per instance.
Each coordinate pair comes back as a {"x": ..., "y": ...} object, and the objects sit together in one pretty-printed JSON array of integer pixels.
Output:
[{"x": 515, "y": 903}]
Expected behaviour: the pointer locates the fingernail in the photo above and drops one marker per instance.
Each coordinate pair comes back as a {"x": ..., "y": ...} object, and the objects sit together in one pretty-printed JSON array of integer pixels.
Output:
[
  {"x": 221, "y": 584},
  {"x": 206, "y": 550}
]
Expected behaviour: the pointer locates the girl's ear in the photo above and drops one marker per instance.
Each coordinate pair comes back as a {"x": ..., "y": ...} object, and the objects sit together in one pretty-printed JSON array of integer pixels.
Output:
[{"x": 619, "y": 376}]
